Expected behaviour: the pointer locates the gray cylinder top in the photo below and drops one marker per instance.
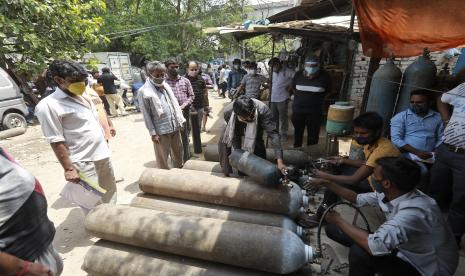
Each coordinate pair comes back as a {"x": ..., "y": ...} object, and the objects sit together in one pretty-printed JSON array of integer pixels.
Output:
[
  {"x": 420, "y": 74},
  {"x": 383, "y": 89}
]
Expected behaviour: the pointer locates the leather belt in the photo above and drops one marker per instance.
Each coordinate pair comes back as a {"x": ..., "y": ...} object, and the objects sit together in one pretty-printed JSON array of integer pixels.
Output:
[{"x": 455, "y": 149}]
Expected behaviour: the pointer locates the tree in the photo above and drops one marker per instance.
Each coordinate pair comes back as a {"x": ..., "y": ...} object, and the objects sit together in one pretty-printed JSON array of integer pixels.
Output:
[
  {"x": 158, "y": 29},
  {"x": 33, "y": 32}
]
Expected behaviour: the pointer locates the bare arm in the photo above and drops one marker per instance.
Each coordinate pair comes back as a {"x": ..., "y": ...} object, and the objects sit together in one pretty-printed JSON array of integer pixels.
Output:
[
  {"x": 360, "y": 236},
  {"x": 62, "y": 154},
  {"x": 353, "y": 163},
  {"x": 12, "y": 266},
  {"x": 443, "y": 109},
  {"x": 342, "y": 192},
  {"x": 362, "y": 173}
]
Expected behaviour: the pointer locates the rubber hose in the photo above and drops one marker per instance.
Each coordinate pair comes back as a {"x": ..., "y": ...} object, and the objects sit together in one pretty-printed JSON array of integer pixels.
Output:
[{"x": 318, "y": 237}]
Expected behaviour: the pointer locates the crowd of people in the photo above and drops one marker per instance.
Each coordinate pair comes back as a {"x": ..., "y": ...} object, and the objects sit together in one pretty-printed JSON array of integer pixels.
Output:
[{"x": 413, "y": 177}]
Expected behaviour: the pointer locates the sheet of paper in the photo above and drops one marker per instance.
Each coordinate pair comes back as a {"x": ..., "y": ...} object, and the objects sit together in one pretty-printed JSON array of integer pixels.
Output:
[
  {"x": 81, "y": 194},
  {"x": 416, "y": 158}
]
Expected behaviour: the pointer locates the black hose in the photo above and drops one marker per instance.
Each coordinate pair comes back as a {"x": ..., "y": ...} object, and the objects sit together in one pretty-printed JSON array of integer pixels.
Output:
[{"x": 322, "y": 219}]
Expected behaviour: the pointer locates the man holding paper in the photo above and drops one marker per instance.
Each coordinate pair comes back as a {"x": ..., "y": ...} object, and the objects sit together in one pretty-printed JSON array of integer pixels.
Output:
[
  {"x": 70, "y": 123},
  {"x": 417, "y": 131}
]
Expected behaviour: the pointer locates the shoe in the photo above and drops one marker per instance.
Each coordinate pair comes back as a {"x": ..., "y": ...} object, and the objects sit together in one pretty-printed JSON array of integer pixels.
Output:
[{"x": 308, "y": 221}]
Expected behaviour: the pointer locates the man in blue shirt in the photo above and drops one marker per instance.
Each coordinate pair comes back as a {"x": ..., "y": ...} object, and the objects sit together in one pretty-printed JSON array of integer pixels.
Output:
[
  {"x": 235, "y": 77},
  {"x": 418, "y": 130}
]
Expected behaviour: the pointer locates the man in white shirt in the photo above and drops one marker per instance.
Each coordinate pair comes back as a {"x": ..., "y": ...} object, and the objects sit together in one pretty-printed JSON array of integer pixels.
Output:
[
  {"x": 447, "y": 185},
  {"x": 282, "y": 83},
  {"x": 70, "y": 124}
]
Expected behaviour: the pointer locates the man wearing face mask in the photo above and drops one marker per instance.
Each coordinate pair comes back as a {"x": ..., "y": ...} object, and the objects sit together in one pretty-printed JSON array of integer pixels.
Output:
[
  {"x": 414, "y": 240},
  {"x": 252, "y": 82},
  {"x": 199, "y": 87},
  {"x": 367, "y": 132},
  {"x": 417, "y": 131},
  {"x": 309, "y": 87},
  {"x": 235, "y": 77},
  {"x": 249, "y": 118},
  {"x": 70, "y": 123},
  {"x": 162, "y": 115},
  {"x": 282, "y": 83},
  {"x": 183, "y": 92}
]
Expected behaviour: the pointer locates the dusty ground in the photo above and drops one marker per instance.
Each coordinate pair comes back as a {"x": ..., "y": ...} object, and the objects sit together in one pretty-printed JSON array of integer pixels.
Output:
[{"x": 132, "y": 152}]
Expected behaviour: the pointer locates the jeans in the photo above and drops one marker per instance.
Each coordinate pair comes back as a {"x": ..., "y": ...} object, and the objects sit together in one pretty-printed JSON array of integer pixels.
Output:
[
  {"x": 310, "y": 120},
  {"x": 361, "y": 263},
  {"x": 280, "y": 115},
  {"x": 447, "y": 187}
]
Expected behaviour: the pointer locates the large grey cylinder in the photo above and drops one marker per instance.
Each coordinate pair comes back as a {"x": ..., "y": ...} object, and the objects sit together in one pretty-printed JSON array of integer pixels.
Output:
[
  {"x": 384, "y": 89},
  {"x": 235, "y": 192},
  {"x": 290, "y": 157},
  {"x": 200, "y": 209},
  {"x": 107, "y": 258},
  {"x": 420, "y": 74},
  {"x": 254, "y": 246},
  {"x": 260, "y": 170},
  {"x": 205, "y": 166},
  {"x": 211, "y": 153}
]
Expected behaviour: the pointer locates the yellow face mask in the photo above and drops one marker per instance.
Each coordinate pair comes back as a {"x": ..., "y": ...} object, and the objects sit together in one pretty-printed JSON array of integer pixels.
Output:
[{"x": 77, "y": 88}]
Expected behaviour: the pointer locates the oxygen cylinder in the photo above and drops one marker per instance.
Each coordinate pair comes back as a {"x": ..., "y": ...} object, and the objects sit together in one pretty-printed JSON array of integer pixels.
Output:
[
  {"x": 234, "y": 192},
  {"x": 211, "y": 153},
  {"x": 260, "y": 170},
  {"x": 383, "y": 90},
  {"x": 107, "y": 258},
  {"x": 199, "y": 209},
  {"x": 254, "y": 246},
  {"x": 205, "y": 166},
  {"x": 421, "y": 73},
  {"x": 296, "y": 158},
  {"x": 290, "y": 157}
]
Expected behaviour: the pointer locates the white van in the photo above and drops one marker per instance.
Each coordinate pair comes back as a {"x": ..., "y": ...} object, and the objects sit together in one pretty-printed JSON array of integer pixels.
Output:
[{"x": 12, "y": 106}]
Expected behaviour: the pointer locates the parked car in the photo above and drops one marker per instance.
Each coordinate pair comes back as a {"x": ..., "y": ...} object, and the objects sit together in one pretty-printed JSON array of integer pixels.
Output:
[{"x": 13, "y": 109}]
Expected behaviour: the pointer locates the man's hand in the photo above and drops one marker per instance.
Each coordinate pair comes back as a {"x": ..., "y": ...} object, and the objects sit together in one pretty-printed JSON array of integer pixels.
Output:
[
  {"x": 282, "y": 167},
  {"x": 72, "y": 175},
  {"x": 333, "y": 217},
  {"x": 336, "y": 160},
  {"x": 424, "y": 154},
  {"x": 317, "y": 182},
  {"x": 156, "y": 139},
  {"x": 38, "y": 270},
  {"x": 112, "y": 131},
  {"x": 319, "y": 174}
]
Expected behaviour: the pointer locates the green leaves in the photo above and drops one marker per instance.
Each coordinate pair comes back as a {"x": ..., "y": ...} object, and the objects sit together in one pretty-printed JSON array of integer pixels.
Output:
[{"x": 36, "y": 31}]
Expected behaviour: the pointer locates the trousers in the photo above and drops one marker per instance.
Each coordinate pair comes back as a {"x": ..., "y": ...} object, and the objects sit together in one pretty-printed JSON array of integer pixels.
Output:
[
  {"x": 100, "y": 172},
  {"x": 311, "y": 121},
  {"x": 115, "y": 100},
  {"x": 447, "y": 187},
  {"x": 185, "y": 134},
  {"x": 361, "y": 263},
  {"x": 170, "y": 145},
  {"x": 280, "y": 115}
]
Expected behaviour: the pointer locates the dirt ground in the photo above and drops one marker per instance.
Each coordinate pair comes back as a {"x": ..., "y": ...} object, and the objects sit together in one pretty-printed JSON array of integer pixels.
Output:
[{"x": 132, "y": 152}]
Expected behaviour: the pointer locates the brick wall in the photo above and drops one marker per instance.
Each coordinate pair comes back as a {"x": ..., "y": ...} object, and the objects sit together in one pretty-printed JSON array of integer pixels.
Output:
[{"x": 360, "y": 70}]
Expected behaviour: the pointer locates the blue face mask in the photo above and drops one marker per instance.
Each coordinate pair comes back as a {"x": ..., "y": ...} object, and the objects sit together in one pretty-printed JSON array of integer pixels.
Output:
[
  {"x": 312, "y": 70},
  {"x": 376, "y": 184}
]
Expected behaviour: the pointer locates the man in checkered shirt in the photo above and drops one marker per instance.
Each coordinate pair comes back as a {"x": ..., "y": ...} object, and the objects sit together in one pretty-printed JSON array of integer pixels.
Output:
[{"x": 183, "y": 92}]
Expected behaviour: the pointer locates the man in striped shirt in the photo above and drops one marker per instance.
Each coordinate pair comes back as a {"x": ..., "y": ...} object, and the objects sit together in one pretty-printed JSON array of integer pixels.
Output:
[
  {"x": 183, "y": 92},
  {"x": 448, "y": 172},
  {"x": 309, "y": 87}
]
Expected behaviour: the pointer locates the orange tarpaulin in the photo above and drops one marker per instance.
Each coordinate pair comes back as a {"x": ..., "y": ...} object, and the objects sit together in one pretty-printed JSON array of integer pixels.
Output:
[{"x": 404, "y": 28}]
